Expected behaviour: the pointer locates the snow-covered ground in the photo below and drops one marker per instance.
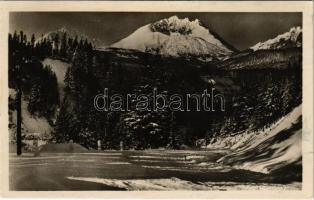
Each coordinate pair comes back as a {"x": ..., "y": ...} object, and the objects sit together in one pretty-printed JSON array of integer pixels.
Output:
[
  {"x": 166, "y": 184},
  {"x": 117, "y": 170}
]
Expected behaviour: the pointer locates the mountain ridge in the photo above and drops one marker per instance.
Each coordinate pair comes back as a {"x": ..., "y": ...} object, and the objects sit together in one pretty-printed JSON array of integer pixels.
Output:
[{"x": 292, "y": 38}]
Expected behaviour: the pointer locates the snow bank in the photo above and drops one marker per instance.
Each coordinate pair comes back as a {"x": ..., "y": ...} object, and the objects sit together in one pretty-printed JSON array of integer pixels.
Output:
[
  {"x": 63, "y": 148},
  {"x": 272, "y": 150}
]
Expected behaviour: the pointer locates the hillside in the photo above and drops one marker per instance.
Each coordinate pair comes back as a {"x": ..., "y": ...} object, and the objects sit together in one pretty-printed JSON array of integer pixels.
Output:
[
  {"x": 31, "y": 125},
  {"x": 272, "y": 150},
  {"x": 264, "y": 59}
]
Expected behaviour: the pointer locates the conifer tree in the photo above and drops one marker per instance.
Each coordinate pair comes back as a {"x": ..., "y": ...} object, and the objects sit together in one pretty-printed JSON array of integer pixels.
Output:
[
  {"x": 33, "y": 40},
  {"x": 34, "y": 98},
  {"x": 64, "y": 46}
]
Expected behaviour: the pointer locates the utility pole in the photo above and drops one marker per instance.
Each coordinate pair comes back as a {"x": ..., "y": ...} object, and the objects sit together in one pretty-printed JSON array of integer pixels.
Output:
[
  {"x": 18, "y": 114},
  {"x": 107, "y": 113},
  {"x": 171, "y": 130},
  {"x": 106, "y": 131}
]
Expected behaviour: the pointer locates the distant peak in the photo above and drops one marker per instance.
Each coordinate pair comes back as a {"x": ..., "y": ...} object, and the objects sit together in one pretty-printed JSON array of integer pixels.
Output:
[
  {"x": 70, "y": 33},
  {"x": 286, "y": 40}
]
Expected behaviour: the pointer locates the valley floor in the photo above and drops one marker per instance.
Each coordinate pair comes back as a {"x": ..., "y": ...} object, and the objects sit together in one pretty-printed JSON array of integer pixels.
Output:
[{"x": 136, "y": 170}]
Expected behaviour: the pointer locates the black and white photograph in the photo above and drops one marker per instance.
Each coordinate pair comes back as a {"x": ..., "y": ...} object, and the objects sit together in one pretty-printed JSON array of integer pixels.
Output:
[{"x": 155, "y": 101}]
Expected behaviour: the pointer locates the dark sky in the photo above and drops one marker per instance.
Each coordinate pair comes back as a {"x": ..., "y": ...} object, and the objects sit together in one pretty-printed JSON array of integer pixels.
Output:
[{"x": 242, "y": 30}]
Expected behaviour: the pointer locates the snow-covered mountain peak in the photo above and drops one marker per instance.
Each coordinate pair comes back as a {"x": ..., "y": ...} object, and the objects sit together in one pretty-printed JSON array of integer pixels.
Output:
[
  {"x": 175, "y": 37},
  {"x": 292, "y": 38},
  {"x": 174, "y": 24}
]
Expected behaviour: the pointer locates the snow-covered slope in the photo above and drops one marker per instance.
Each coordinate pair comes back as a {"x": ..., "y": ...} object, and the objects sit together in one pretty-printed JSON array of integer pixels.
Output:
[
  {"x": 175, "y": 37},
  {"x": 31, "y": 125},
  {"x": 59, "y": 68},
  {"x": 141, "y": 39},
  {"x": 293, "y": 38},
  {"x": 271, "y": 150}
]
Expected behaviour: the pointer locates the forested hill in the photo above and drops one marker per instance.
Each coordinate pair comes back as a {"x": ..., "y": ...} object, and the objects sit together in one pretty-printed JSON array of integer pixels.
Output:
[
  {"x": 256, "y": 96},
  {"x": 264, "y": 59},
  {"x": 39, "y": 79}
]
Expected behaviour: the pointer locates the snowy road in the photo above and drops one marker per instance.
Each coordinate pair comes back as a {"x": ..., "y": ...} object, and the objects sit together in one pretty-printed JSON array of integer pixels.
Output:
[{"x": 140, "y": 170}]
